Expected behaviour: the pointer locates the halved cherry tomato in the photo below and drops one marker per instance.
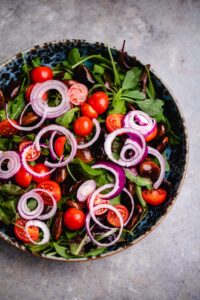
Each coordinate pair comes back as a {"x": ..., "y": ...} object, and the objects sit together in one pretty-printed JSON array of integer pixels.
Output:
[
  {"x": 74, "y": 219},
  {"x": 97, "y": 201},
  {"x": 78, "y": 93},
  {"x": 113, "y": 219},
  {"x": 88, "y": 111},
  {"x": 6, "y": 129},
  {"x": 21, "y": 234},
  {"x": 41, "y": 74},
  {"x": 28, "y": 93},
  {"x": 99, "y": 101},
  {"x": 154, "y": 197},
  {"x": 59, "y": 145},
  {"x": 23, "y": 178},
  {"x": 114, "y": 121},
  {"x": 152, "y": 135},
  {"x": 32, "y": 153},
  {"x": 53, "y": 188},
  {"x": 83, "y": 126},
  {"x": 41, "y": 169}
]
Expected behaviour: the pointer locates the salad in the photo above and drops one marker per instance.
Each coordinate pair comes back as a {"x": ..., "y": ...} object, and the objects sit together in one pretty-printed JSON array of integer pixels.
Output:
[{"x": 83, "y": 153}]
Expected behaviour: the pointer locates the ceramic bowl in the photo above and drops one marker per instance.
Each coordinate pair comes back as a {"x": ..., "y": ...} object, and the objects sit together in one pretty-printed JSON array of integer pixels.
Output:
[{"x": 53, "y": 53}]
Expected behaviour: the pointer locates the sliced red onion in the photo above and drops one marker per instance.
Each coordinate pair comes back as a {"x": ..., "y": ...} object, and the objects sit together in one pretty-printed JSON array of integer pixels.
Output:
[
  {"x": 116, "y": 211},
  {"x": 85, "y": 190},
  {"x": 132, "y": 205},
  {"x": 96, "y": 136},
  {"x": 53, "y": 210},
  {"x": 28, "y": 168},
  {"x": 43, "y": 227},
  {"x": 23, "y": 209},
  {"x": 138, "y": 146},
  {"x": 140, "y": 121},
  {"x": 120, "y": 178},
  {"x": 51, "y": 146},
  {"x": 157, "y": 154},
  {"x": 70, "y": 137},
  {"x": 22, "y": 128},
  {"x": 40, "y": 89},
  {"x": 13, "y": 164}
]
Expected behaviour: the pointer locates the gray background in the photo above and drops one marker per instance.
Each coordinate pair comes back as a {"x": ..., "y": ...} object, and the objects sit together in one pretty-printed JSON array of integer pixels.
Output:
[{"x": 166, "y": 264}]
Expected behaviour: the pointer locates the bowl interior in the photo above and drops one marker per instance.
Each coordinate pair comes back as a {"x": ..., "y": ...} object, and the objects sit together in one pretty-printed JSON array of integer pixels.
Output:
[{"x": 53, "y": 53}]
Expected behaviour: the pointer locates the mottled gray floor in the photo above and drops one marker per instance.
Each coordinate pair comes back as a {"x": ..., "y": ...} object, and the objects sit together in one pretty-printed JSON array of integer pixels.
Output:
[{"x": 166, "y": 264}]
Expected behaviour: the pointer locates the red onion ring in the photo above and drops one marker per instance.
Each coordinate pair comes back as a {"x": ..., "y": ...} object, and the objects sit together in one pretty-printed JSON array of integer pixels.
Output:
[
  {"x": 22, "y": 128},
  {"x": 51, "y": 146},
  {"x": 70, "y": 137},
  {"x": 23, "y": 209},
  {"x": 96, "y": 136},
  {"x": 53, "y": 210},
  {"x": 40, "y": 89},
  {"x": 145, "y": 125},
  {"x": 115, "y": 210},
  {"x": 137, "y": 138},
  {"x": 13, "y": 164},
  {"x": 132, "y": 205},
  {"x": 157, "y": 154},
  {"x": 85, "y": 190},
  {"x": 43, "y": 227},
  {"x": 120, "y": 178}
]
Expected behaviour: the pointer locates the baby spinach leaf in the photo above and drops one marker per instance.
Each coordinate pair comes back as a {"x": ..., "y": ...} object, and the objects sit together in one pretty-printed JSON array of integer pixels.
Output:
[
  {"x": 131, "y": 79},
  {"x": 118, "y": 104},
  {"x": 95, "y": 252},
  {"x": 134, "y": 94},
  {"x": 67, "y": 118},
  {"x": 98, "y": 69},
  {"x": 73, "y": 56},
  {"x": 31, "y": 137},
  {"x": 36, "y": 62},
  {"x": 153, "y": 108},
  {"x": 39, "y": 248},
  {"x": 76, "y": 248},
  {"x": 2, "y": 115},
  {"x": 13, "y": 189},
  {"x": 141, "y": 181},
  {"x": 4, "y": 142},
  {"x": 62, "y": 251},
  {"x": 17, "y": 139},
  {"x": 87, "y": 169},
  {"x": 138, "y": 191},
  {"x": 67, "y": 76},
  {"x": 7, "y": 210},
  {"x": 116, "y": 200}
]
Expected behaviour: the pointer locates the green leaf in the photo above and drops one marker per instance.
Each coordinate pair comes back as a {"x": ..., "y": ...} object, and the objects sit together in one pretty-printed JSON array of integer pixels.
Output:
[
  {"x": 115, "y": 201},
  {"x": 95, "y": 252},
  {"x": 98, "y": 69},
  {"x": 67, "y": 76},
  {"x": 141, "y": 181},
  {"x": 138, "y": 191},
  {"x": 31, "y": 137},
  {"x": 7, "y": 210},
  {"x": 4, "y": 142},
  {"x": 153, "y": 108},
  {"x": 36, "y": 62},
  {"x": 13, "y": 189},
  {"x": 150, "y": 88},
  {"x": 16, "y": 106},
  {"x": 39, "y": 248},
  {"x": 2, "y": 115},
  {"x": 131, "y": 79},
  {"x": 73, "y": 56},
  {"x": 134, "y": 94},
  {"x": 76, "y": 248},
  {"x": 87, "y": 169},
  {"x": 67, "y": 118},
  {"x": 17, "y": 139},
  {"x": 167, "y": 165},
  {"x": 118, "y": 104},
  {"x": 62, "y": 251},
  {"x": 116, "y": 75}
]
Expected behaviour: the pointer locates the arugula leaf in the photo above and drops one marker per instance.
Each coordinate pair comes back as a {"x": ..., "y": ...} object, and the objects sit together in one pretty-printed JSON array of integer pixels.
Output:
[
  {"x": 16, "y": 106},
  {"x": 36, "y": 62},
  {"x": 73, "y": 56},
  {"x": 95, "y": 252},
  {"x": 87, "y": 169},
  {"x": 76, "y": 248},
  {"x": 13, "y": 189},
  {"x": 138, "y": 191},
  {"x": 62, "y": 251},
  {"x": 2, "y": 115},
  {"x": 118, "y": 104},
  {"x": 67, "y": 118},
  {"x": 116, "y": 75},
  {"x": 7, "y": 211},
  {"x": 134, "y": 94},
  {"x": 141, "y": 181},
  {"x": 132, "y": 78},
  {"x": 150, "y": 88},
  {"x": 39, "y": 248},
  {"x": 153, "y": 108}
]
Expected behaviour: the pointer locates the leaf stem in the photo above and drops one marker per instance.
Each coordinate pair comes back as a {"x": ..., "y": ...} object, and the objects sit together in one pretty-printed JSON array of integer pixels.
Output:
[{"x": 92, "y": 57}]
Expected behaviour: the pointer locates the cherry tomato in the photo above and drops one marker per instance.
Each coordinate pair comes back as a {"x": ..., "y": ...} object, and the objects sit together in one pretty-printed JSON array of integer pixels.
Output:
[
  {"x": 88, "y": 111},
  {"x": 23, "y": 178},
  {"x": 113, "y": 219},
  {"x": 21, "y": 234},
  {"x": 99, "y": 101},
  {"x": 59, "y": 145},
  {"x": 74, "y": 219},
  {"x": 41, "y": 74},
  {"x": 152, "y": 135},
  {"x": 154, "y": 197},
  {"x": 28, "y": 93},
  {"x": 32, "y": 153},
  {"x": 114, "y": 121},
  {"x": 53, "y": 188},
  {"x": 97, "y": 201},
  {"x": 41, "y": 169},
  {"x": 78, "y": 93},
  {"x": 83, "y": 126},
  {"x": 6, "y": 129}
]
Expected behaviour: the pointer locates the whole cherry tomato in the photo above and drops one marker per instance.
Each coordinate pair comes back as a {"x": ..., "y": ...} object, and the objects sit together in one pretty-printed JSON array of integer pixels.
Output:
[
  {"x": 83, "y": 126},
  {"x": 74, "y": 219},
  {"x": 41, "y": 74}
]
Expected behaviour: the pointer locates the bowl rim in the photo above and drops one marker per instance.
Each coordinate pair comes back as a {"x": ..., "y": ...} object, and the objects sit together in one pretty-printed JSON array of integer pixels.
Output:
[{"x": 158, "y": 222}]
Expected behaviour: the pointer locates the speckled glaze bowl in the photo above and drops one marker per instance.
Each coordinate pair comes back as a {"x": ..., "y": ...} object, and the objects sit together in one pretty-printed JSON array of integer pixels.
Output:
[{"x": 53, "y": 53}]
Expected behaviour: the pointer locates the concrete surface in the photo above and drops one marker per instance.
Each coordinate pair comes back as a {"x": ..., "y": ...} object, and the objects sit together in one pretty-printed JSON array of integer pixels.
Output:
[{"x": 166, "y": 264}]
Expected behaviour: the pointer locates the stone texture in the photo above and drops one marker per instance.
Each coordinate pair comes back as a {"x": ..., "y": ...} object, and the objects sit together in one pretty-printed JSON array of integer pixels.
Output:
[{"x": 166, "y": 264}]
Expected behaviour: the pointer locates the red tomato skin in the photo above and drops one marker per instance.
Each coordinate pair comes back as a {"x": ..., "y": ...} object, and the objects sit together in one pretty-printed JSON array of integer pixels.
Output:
[
  {"x": 6, "y": 129},
  {"x": 154, "y": 197},
  {"x": 99, "y": 101},
  {"x": 59, "y": 145},
  {"x": 31, "y": 155},
  {"x": 41, "y": 168},
  {"x": 41, "y": 74},
  {"x": 112, "y": 217},
  {"x": 53, "y": 188},
  {"x": 21, "y": 234},
  {"x": 97, "y": 201},
  {"x": 152, "y": 135},
  {"x": 28, "y": 93},
  {"x": 114, "y": 121},
  {"x": 83, "y": 126},
  {"x": 74, "y": 219},
  {"x": 88, "y": 111},
  {"x": 23, "y": 178}
]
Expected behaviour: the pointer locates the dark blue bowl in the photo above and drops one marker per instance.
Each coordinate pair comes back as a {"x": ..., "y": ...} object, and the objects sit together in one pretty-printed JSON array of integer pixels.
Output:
[{"x": 54, "y": 52}]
